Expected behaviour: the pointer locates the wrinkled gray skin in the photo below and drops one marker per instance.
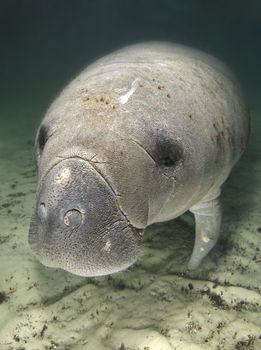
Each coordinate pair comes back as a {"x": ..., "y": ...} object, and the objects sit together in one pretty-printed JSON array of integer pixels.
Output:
[{"x": 140, "y": 136}]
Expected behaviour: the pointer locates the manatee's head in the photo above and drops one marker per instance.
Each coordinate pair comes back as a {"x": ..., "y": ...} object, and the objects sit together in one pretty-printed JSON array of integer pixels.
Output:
[{"x": 78, "y": 224}]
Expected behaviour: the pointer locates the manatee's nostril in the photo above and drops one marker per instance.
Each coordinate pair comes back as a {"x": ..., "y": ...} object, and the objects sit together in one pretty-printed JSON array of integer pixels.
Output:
[
  {"x": 42, "y": 211},
  {"x": 73, "y": 218}
]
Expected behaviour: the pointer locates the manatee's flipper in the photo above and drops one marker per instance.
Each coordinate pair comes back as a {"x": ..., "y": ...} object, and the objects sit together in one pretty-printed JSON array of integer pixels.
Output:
[{"x": 207, "y": 215}]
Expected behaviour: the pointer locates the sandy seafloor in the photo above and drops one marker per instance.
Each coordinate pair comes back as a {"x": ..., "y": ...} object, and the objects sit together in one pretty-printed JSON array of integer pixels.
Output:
[{"x": 156, "y": 304}]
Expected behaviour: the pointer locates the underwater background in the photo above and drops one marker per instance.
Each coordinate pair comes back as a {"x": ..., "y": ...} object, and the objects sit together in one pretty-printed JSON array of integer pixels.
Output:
[{"x": 157, "y": 304}]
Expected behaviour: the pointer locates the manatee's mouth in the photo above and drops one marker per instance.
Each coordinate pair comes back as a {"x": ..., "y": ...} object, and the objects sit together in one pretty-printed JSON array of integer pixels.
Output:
[
  {"x": 97, "y": 238},
  {"x": 107, "y": 256}
]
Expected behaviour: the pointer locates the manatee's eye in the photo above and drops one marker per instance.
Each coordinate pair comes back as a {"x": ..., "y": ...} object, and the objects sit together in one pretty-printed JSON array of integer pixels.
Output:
[
  {"x": 42, "y": 138},
  {"x": 167, "y": 153}
]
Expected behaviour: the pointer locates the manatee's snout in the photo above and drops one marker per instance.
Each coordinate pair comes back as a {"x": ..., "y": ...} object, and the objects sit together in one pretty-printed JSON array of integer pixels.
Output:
[
  {"x": 73, "y": 218},
  {"x": 77, "y": 224}
]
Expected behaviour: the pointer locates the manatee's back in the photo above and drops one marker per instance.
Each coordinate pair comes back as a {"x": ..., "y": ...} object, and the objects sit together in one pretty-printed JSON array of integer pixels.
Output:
[
  {"x": 164, "y": 75},
  {"x": 191, "y": 95}
]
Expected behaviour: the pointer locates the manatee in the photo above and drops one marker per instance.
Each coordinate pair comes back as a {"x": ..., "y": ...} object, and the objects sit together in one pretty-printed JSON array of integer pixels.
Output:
[{"x": 141, "y": 136}]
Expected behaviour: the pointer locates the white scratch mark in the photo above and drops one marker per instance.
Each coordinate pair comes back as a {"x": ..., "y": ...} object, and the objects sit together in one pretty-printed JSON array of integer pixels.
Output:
[
  {"x": 107, "y": 246},
  {"x": 205, "y": 239},
  {"x": 124, "y": 98}
]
